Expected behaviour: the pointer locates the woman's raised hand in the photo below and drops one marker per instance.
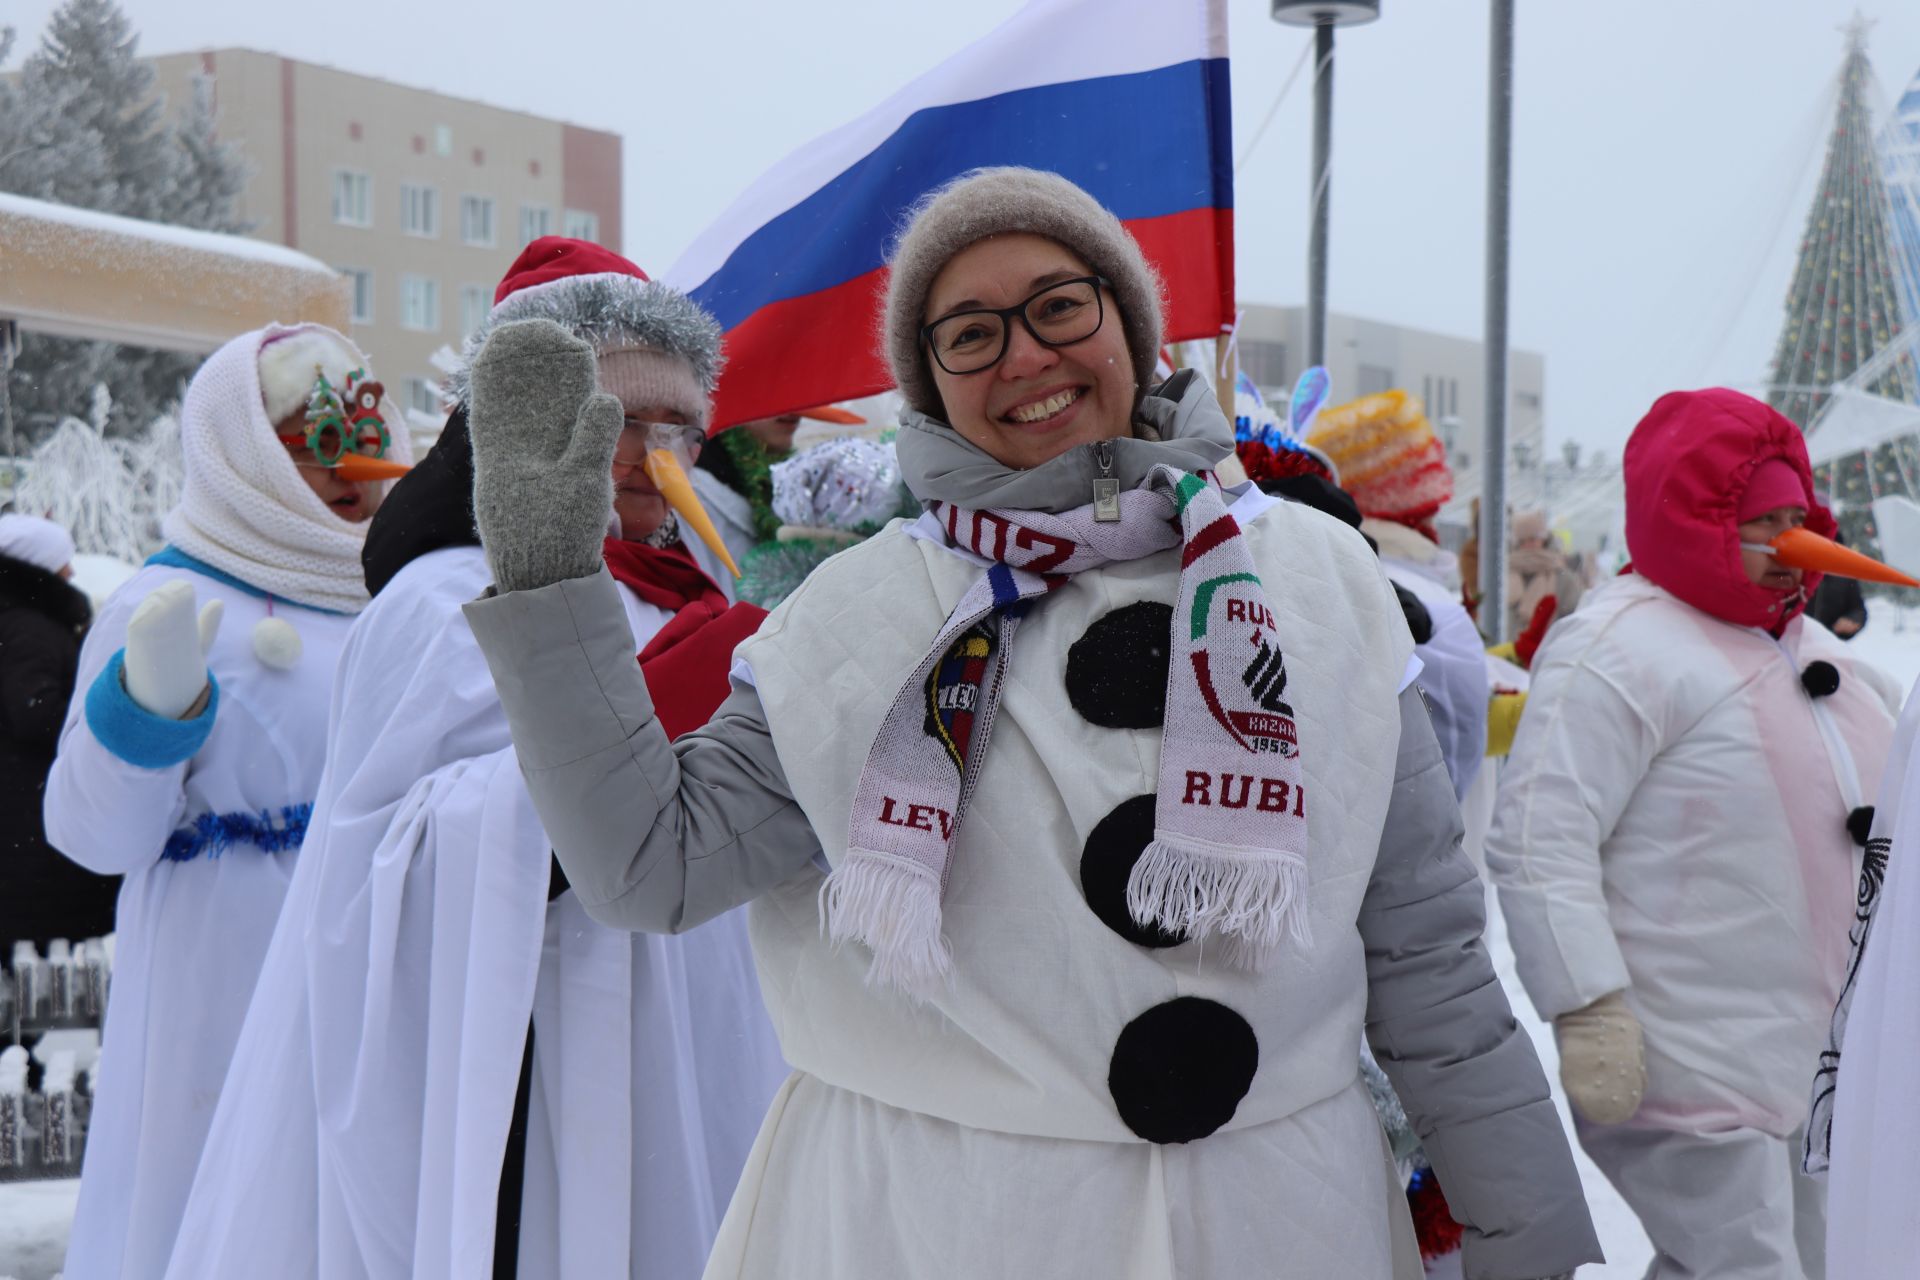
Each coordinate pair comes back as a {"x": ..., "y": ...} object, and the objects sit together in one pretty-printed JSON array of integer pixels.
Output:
[{"x": 543, "y": 443}]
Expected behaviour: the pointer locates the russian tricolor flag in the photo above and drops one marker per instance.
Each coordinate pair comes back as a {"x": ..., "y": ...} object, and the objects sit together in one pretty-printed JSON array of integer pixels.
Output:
[{"x": 1127, "y": 98}]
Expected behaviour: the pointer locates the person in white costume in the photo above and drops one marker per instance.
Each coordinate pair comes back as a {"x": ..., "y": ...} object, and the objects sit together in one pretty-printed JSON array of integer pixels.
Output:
[
  {"x": 449, "y": 1070},
  {"x": 1865, "y": 1122},
  {"x": 1678, "y": 837},
  {"x": 192, "y": 749},
  {"x": 1076, "y": 860},
  {"x": 1386, "y": 455}
]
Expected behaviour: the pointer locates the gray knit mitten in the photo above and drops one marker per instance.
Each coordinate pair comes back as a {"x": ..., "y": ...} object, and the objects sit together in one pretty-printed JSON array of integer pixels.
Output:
[{"x": 543, "y": 445}]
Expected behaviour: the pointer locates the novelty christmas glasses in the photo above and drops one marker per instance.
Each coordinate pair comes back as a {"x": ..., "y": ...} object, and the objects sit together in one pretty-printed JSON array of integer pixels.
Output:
[
  {"x": 1057, "y": 316},
  {"x": 346, "y": 431},
  {"x": 339, "y": 423}
]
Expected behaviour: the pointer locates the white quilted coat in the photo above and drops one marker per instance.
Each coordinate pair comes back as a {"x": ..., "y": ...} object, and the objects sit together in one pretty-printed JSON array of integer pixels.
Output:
[{"x": 1673, "y": 822}]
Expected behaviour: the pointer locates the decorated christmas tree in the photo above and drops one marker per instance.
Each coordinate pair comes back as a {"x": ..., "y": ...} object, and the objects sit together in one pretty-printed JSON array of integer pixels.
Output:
[
  {"x": 1900, "y": 161},
  {"x": 1844, "y": 303}
]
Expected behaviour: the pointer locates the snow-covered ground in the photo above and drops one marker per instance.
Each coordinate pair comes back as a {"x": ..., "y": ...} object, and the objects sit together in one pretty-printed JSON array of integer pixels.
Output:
[
  {"x": 1891, "y": 640},
  {"x": 33, "y": 1227}
]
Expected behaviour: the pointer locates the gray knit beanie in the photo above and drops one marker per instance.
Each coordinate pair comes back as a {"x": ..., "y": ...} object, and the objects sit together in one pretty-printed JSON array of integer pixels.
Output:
[{"x": 989, "y": 202}]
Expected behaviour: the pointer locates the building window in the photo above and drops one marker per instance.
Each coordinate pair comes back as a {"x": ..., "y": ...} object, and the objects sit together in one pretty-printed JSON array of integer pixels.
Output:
[
  {"x": 419, "y": 210},
  {"x": 581, "y": 225},
  {"x": 1374, "y": 378},
  {"x": 536, "y": 220},
  {"x": 362, "y": 282},
  {"x": 1264, "y": 362},
  {"x": 442, "y": 140},
  {"x": 352, "y": 198},
  {"x": 475, "y": 302},
  {"x": 476, "y": 221},
  {"x": 419, "y": 303},
  {"x": 423, "y": 396}
]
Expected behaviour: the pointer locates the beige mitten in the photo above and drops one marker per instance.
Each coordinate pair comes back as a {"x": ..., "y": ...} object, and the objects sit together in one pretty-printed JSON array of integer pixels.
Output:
[
  {"x": 165, "y": 667},
  {"x": 1602, "y": 1062}
]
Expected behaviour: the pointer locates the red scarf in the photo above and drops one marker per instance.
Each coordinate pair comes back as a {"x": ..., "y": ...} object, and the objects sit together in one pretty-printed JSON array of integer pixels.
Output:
[
  {"x": 689, "y": 685},
  {"x": 665, "y": 577}
]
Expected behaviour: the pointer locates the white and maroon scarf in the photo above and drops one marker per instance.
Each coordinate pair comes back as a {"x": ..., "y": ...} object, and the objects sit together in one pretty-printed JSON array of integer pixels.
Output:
[{"x": 1228, "y": 858}]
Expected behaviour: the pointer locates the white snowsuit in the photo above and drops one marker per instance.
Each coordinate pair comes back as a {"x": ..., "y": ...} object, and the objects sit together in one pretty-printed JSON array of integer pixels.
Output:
[
  {"x": 200, "y": 897},
  {"x": 1673, "y": 822}
]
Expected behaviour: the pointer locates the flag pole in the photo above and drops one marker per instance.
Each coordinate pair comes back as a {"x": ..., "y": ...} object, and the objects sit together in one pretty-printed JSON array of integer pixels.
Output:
[{"x": 1493, "y": 453}]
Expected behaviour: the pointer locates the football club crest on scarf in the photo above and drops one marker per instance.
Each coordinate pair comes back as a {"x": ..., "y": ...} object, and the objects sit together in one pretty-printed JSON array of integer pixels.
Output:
[
  {"x": 1265, "y": 727},
  {"x": 953, "y": 691}
]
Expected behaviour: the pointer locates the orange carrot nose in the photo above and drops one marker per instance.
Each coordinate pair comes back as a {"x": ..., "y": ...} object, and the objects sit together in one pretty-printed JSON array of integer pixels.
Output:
[
  {"x": 1805, "y": 549},
  {"x": 670, "y": 478},
  {"x": 357, "y": 468}
]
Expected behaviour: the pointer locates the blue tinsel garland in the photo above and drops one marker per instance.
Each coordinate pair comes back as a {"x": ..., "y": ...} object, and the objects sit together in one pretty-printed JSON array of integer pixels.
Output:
[{"x": 213, "y": 834}]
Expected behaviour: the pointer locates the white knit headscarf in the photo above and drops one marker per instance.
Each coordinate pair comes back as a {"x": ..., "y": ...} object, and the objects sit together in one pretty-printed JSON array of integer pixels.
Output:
[{"x": 245, "y": 510}]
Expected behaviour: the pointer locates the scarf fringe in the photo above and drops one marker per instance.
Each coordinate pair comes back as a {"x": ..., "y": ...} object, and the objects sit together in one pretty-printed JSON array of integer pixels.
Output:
[
  {"x": 892, "y": 907},
  {"x": 1251, "y": 900}
]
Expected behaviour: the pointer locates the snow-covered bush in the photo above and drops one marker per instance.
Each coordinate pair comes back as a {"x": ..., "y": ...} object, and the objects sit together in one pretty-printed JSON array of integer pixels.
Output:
[{"x": 110, "y": 492}]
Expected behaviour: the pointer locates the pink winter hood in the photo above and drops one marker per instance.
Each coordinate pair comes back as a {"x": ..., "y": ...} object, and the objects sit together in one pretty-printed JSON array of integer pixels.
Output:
[{"x": 1687, "y": 465}]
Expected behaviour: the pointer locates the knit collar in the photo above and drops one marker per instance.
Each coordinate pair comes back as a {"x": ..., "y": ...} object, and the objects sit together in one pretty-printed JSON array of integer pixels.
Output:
[{"x": 1178, "y": 423}]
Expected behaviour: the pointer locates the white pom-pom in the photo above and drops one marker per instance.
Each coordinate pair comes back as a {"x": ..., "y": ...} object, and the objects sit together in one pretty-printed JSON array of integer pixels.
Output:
[{"x": 276, "y": 643}]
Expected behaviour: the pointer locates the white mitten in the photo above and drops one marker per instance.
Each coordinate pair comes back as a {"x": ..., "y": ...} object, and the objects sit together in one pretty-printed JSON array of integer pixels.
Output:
[
  {"x": 1602, "y": 1061},
  {"x": 166, "y": 661}
]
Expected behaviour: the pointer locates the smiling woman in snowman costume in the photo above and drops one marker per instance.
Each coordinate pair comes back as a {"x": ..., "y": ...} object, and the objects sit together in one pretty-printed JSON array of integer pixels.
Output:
[{"x": 1086, "y": 820}]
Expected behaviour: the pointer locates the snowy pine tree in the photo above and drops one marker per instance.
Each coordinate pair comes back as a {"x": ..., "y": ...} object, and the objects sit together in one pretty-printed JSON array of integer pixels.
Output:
[
  {"x": 209, "y": 175},
  {"x": 84, "y": 126}
]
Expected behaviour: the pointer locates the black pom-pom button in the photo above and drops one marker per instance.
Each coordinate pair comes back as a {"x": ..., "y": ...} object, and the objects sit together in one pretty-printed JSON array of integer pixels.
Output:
[
  {"x": 1117, "y": 671},
  {"x": 1180, "y": 1069},
  {"x": 1107, "y": 862},
  {"x": 1419, "y": 621},
  {"x": 1860, "y": 824},
  {"x": 1820, "y": 679}
]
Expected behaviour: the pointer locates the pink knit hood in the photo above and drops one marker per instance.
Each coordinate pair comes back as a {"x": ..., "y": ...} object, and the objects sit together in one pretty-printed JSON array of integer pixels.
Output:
[{"x": 1687, "y": 465}]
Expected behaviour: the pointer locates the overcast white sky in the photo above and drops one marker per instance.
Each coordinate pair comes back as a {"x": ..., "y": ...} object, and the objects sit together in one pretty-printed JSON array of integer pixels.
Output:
[{"x": 1664, "y": 149}]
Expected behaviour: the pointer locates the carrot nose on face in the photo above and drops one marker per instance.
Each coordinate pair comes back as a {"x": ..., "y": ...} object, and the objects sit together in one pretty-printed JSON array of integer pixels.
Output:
[
  {"x": 670, "y": 478},
  {"x": 357, "y": 468},
  {"x": 1805, "y": 549}
]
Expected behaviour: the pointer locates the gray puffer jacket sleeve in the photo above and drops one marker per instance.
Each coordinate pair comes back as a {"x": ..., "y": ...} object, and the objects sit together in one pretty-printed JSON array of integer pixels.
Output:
[
  {"x": 1440, "y": 1026},
  {"x": 655, "y": 836}
]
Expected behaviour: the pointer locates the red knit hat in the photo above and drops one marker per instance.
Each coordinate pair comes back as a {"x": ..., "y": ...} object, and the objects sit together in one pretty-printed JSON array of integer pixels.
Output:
[
  {"x": 553, "y": 258},
  {"x": 657, "y": 345}
]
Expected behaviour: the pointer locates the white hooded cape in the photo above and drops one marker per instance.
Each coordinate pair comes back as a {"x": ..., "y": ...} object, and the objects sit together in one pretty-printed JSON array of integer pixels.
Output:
[
  {"x": 1873, "y": 1232},
  {"x": 367, "y": 1110}
]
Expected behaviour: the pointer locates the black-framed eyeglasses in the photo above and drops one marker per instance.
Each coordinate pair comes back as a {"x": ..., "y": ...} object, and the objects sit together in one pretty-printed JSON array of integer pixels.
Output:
[{"x": 1057, "y": 316}]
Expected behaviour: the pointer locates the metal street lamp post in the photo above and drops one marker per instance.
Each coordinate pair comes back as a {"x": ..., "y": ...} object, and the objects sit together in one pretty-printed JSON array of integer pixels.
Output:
[
  {"x": 1323, "y": 16},
  {"x": 1493, "y": 451}
]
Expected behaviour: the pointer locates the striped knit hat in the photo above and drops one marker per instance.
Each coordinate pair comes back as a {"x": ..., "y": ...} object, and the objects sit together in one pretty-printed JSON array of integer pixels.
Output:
[{"x": 1389, "y": 459}]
